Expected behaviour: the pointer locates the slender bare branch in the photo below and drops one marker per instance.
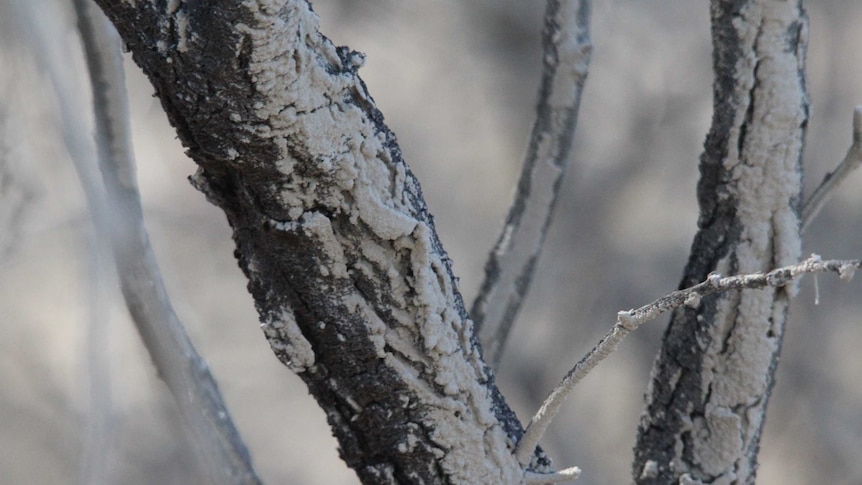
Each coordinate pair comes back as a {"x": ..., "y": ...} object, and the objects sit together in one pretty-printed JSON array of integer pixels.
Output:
[
  {"x": 178, "y": 363},
  {"x": 627, "y": 321},
  {"x": 748, "y": 195},
  {"x": 512, "y": 263},
  {"x": 833, "y": 180}
]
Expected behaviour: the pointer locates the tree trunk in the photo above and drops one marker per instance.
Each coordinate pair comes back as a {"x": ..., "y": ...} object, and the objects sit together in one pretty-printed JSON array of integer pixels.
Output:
[
  {"x": 354, "y": 290},
  {"x": 712, "y": 380}
]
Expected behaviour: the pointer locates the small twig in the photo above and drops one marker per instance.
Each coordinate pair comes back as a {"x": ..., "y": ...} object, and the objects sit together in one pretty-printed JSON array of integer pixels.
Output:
[
  {"x": 832, "y": 180},
  {"x": 512, "y": 262},
  {"x": 567, "y": 475},
  {"x": 178, "y": 363},
  {"x": 627, "y": 321}
]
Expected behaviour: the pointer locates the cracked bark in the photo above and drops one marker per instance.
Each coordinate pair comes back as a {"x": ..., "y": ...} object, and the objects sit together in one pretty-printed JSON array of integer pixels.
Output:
[
  {"x": 710, "y": 386},
  {"x": 354, "y": 290}
]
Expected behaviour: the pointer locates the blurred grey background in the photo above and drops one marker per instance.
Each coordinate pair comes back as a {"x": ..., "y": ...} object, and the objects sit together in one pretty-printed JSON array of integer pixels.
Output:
[{"x": 456, "y": 82}]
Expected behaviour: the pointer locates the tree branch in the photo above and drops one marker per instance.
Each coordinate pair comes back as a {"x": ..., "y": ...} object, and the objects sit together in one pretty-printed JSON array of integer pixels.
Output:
[
  {"x": 512, "y": 262},
  {"x": 628, "y": 321},
  {"x": 710, "y": 385},
  {"x": 219, "y": 446},
  {"x": 354, "y": 290},
  {"x": 833, "y": 180}
]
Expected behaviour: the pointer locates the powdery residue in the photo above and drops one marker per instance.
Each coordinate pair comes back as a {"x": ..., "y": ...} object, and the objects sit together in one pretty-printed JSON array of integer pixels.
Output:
[
  {"x": 458, "y": 439},
  {"x": 306, "y": 111},
  {"x": 717, "y": 442},
  {"x": 456, "y": 370},
  {"x": 287, "y": 341},
  {"x": 318, "y": 226},
  {"x": 766, "y": 170},
  {"x": 766, "y": 182},
  {"x": 182, "y": 20}
]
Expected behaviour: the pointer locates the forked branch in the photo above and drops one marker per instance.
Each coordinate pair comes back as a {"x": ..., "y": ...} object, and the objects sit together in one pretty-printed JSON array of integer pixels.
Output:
[{"x": 627, "y": 321}]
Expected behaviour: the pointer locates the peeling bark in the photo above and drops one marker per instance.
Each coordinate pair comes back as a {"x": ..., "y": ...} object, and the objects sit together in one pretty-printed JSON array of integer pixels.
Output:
[
  {"x": 353, "y": 287},
  {"x": 712, "y": 380}
]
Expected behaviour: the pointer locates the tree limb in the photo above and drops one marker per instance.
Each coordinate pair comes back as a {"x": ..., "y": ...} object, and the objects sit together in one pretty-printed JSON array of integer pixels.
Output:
[{"x": 512, "y": 262}]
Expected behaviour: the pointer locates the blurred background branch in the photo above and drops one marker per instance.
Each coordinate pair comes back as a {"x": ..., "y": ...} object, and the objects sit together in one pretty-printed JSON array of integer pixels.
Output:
[
  {"x": 222, "y": 454},
  {"x": 814, "y": 204},
  {"x": 512, "y": 262}
]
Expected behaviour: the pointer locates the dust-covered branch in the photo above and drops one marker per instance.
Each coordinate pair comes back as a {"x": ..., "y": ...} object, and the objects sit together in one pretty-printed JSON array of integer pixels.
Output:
[
  {"x": 512, "y": 262},
  {"x": 628, "y": 321},
  {"x": 834, "y": 179}
]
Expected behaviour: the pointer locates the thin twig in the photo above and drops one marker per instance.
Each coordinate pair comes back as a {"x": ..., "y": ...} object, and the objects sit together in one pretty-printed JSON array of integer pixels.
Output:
[
  {"x": 178, "y": 363},
  {"x": 512, "y": 263},
  {"x": 830, "y": 183},
  {"x": 627, "y": 321}
]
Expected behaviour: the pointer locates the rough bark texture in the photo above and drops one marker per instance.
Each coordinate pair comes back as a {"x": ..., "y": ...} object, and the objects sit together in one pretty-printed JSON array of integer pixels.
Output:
[
  {"x": 712, "y": 380},
  {"x": 354, "y": 290}
]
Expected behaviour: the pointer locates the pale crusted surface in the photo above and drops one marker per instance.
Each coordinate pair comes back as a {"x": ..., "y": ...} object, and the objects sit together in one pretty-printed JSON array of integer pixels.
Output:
[
  {"x": 651, "y": 54},
  {"x": 766, "y": 185},
  {"x": 424, "y": 337}
]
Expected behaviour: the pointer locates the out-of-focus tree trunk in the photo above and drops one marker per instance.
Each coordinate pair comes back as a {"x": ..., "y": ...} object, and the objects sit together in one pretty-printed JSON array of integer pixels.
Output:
[{"x": 711, "y": 383}]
